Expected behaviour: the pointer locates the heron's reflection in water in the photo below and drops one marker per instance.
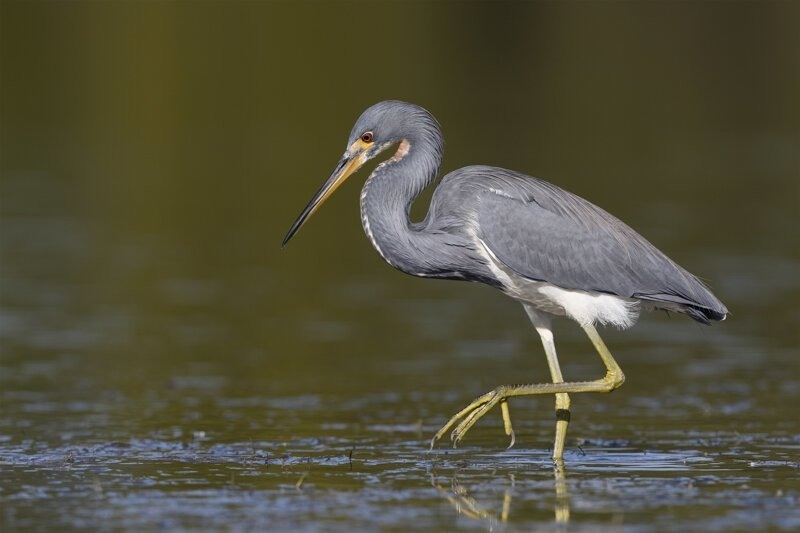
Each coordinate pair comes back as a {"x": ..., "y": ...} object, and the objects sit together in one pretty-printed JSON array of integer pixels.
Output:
[
  {"x": 562, "y": 493},
  {"x": 464, "y": 503}
]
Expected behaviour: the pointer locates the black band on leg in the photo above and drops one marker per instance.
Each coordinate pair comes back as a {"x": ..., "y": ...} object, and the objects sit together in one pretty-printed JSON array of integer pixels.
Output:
[{"x": 562, "y": 414}]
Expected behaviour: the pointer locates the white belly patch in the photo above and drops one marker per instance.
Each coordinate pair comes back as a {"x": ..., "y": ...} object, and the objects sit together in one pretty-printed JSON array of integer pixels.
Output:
[{"x": 585, "y": 307}]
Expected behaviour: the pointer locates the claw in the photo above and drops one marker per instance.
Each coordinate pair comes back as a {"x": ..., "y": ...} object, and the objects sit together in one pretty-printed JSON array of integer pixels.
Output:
[
  {"x": 513, "y": 440},
  {"x": 507, "y": 422},
  {"x": 456, "y": 437}
]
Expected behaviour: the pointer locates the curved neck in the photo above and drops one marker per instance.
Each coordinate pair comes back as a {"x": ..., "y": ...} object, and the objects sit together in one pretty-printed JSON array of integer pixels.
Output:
[{"x": 386, "y": 201}]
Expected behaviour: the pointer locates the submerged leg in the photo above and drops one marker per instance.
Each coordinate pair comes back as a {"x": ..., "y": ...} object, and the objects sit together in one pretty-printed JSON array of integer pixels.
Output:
[
  {"x": 613, "y": 379},
  {"x": 542, "y": 323}
]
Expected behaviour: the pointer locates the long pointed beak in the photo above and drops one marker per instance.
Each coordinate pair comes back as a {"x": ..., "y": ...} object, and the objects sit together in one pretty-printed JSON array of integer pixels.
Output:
[{"x": 349, "y": 163}]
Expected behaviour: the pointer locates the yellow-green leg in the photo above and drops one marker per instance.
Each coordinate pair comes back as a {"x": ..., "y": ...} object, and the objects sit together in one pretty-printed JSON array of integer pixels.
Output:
[
  {"x": 542, "y": 323},
  {"x": 613, "y": 379}
]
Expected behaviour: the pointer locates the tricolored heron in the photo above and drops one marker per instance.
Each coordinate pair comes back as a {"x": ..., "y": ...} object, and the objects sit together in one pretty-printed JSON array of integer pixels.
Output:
[{"x": 553, "y": 251}]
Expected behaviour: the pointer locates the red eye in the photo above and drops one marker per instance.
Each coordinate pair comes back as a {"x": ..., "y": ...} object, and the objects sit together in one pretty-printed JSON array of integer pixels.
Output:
[{"x": 367, "y": 137}]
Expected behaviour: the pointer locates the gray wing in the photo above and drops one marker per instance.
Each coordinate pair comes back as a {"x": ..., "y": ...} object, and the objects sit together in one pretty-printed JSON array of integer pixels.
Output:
[{"x": 545, "y": 233}]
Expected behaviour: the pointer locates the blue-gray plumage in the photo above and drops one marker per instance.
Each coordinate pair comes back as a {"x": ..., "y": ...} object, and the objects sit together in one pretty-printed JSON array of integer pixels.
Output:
[{"x": 555, "y": 252}]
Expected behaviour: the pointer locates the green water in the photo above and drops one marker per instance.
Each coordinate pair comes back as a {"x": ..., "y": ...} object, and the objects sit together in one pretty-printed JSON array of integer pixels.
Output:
[{"x": 165, "y": 365}]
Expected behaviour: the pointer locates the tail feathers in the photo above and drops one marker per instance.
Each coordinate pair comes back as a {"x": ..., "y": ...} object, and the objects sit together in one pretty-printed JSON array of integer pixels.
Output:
[
  {"x": 705, "y": 312},
  {"x": 704, "y": 315}
]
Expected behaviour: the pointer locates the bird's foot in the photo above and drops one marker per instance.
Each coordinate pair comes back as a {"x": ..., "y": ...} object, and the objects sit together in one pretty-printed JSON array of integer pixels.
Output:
[{"x": 473, "y": 412}]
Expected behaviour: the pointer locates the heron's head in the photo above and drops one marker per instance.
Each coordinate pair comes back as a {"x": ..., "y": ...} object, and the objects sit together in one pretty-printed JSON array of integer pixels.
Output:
[{"x": 380, "y": 127}]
